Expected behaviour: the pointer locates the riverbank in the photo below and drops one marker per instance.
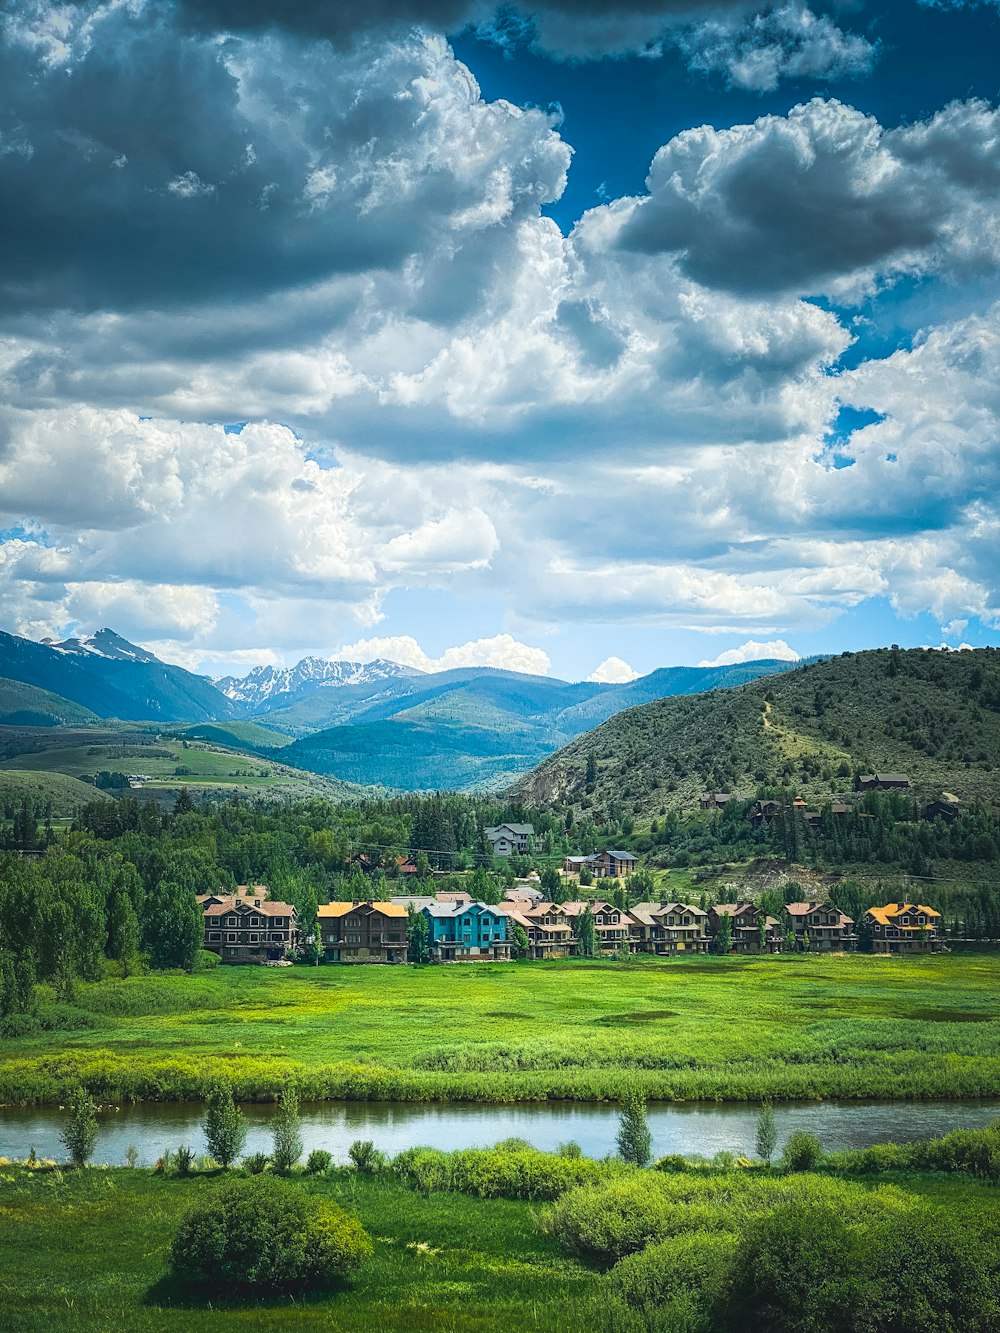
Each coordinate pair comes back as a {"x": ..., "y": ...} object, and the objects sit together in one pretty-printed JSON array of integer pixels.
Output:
[{"x": 788, "y": 1027}]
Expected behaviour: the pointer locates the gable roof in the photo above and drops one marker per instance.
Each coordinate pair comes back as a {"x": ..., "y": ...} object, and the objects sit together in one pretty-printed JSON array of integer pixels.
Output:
[
  {"x": 231, "y": 903},
  {"x": 886, "y": 916},
  {"x": 518, "y": 830}
]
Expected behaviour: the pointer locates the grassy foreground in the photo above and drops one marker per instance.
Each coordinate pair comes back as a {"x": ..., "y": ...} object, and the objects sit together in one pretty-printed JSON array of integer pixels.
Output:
[
  {"x": 724, "y": 1029},
  {"x": 87, "y": 1251}
]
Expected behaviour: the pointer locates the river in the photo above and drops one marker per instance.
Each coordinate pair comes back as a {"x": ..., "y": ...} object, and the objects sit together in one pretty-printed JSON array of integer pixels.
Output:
[{"x": 687, "y": 1128}]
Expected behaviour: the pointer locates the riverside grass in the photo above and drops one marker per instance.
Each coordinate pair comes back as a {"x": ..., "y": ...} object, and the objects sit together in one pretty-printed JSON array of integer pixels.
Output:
[
  {"x": 87, "y": 1251},
  {"x": 782, "y": 1027}
]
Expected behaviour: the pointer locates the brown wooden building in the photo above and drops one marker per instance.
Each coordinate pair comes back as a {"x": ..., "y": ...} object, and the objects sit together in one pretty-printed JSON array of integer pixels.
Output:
[
  {"x": 746, "y": 919},
  {"x": 247, "y": 927},
  {"x": 363, "y": 932},
  {"x": 667, "y": 928},
  {"x": 820, "y": 927},
  {"x": 903, "y": 928}
]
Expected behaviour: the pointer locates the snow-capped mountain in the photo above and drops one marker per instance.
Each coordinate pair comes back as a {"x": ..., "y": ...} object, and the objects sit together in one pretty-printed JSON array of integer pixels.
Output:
[
  {"x": 268, "y": 687},
  {"x": 105, "y": 643}
]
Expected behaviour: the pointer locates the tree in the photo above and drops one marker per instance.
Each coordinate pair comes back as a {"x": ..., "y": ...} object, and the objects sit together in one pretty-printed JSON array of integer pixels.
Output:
[
  {"x": 174, "y": 926},
  {"x": 591, "y": 770},
  {"x": 762, "y": 933},
  {"x": 767, "y": 1133},
  {"x": 520, "y": 944},
  {"x": 287, "y": 1130},
  {"x": 586, "y": 933},
  {"x": 79, "y": 1134},
  {"x": 419, "y": 950},
  {"x": 724, "y": 934},
  {"x": 225, "y": 1125},
  {"x": 634, "y": 1138},
  {"x": 123, "y": 929}
]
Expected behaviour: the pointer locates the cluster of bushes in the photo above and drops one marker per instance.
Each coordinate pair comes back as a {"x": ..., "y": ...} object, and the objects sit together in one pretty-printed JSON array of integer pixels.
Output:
[
  {"x": 510, "y": 1170},
  {"x": 975, "y": 1152},
  {"x": 737, "y": 1251}
]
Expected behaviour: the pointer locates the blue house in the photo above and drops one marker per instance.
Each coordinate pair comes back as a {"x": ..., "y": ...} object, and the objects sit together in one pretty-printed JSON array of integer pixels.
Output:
[{"x": 467, "y": 932}]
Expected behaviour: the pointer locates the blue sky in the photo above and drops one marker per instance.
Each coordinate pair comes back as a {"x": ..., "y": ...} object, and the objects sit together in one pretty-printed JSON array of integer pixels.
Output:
[{"x": 562, "y": 338}]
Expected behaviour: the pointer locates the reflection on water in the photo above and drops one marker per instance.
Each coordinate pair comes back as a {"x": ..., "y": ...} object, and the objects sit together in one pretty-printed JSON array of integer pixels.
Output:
[{"x": 686, "y": 1128}]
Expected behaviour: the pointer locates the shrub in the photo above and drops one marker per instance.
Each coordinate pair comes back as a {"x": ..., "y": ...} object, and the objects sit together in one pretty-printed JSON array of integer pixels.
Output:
[
  {"x": 225, "y": 1127},
  {"x": 672, "y": 1162},
  {"x": 492, "y": 1174},
  {"x": 265, "y": 1235},
  {"x": 426, "y": 1169},
  {"x": 79, "y": 1134},
  {"x": 634, "y": 1139},
  {"x": 184, "y": 1160},
  {"x": 571, "y": 1150},
  {"x": 205, "y": 960},
  {"x": 687, "y": 1273},
  {"x": 287, "y": 1131},
  {"x": 318, "y": 1162},
  {"x": 803, "y": 1152},
  {"x": 366, "y": 1157},
  {"x": 257, "y": 1163},
  {"x": 131, "y": 1155}
]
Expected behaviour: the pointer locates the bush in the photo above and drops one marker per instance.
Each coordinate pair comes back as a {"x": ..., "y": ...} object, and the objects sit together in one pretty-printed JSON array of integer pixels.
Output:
[
  {"x": 497, "y": 1173},
  {"x": 257, "y": 1163},
  {"x": 318, "y": 1162},
  {"x": 264, "y": 1235},
  {"x": 803, "y": 1152},
  {"x": 205, "y": 960},
  {"x": 672, "y": 1162},
  {"x": 686, "y": 1273},
  {"x": 974, "y": 1151},
  {"x": 184, "y": 1160},
  {"x": 366, "y": 1157},
  {"x": 572, "y": 1150},
  {"x": 79, "y": 1134}
]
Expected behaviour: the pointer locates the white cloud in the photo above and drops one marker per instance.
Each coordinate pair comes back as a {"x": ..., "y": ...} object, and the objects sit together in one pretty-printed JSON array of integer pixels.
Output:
[
  {"x": 502, "y": 651},
  {"x": 753, "y": 651},
  {"x": 613, "y": 671}
]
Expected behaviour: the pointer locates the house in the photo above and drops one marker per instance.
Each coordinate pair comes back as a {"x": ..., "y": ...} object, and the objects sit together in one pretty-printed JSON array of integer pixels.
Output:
[
  {"x": 363, "y": 932},
  {"x": 611, "y": 864},
  {"x": 903, "y": 928},
  {"x": 550, "y": 928},
  {"x": 883, "y": 782},
  {"x": 510, "y": 839},
  {"x": 840, "y": 809},
  {"x": 764, "y": 812},
  {"x": 947, "y": 807},
  {"x": 467, "y": 932},
  {"x": 714, "y": 800},
  {"x": 405, "y": 865},
  {"x": 247, "y": 927},
  {"x": 612, "y": 926},
  {"x": 668, "y": 928},
  {"x": 746, "y": 920},
  {"x": 525, "y": 894},
  {"x": 572, "y": 865},
  {"x": 820, "y": 927}
]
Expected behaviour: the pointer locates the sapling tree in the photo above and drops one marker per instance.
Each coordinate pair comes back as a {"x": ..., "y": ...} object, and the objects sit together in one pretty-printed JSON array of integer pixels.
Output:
[
  {"x": 225, "y": 1125},
  {"x": 767, "y": 1133},
  {"x": 634, "y": 1139},
  {"x": 287, "y": 1130},
  {"x": 79, "y": 1134}
]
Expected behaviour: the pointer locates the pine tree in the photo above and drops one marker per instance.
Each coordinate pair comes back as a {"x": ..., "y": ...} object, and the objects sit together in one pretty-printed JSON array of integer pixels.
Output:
[
  {"x": 287, "y": 1130},
  {"x": 767, "y": 1133},
  {"x": 79, "y": 1134},
  {"x": 634, "y": 1138},
  {"x": 225, "y": 1125}
]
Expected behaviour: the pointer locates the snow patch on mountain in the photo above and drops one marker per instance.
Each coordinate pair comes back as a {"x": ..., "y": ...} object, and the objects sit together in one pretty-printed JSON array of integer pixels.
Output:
[
  {"x": 264, "y": 684},
  {"x": 105, "y": 643}
]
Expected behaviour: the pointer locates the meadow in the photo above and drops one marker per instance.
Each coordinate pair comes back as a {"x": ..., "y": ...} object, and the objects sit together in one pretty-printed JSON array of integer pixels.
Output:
[
  {"x": 784, "y": 1027},
  {"x": 87, "y": 1250}
]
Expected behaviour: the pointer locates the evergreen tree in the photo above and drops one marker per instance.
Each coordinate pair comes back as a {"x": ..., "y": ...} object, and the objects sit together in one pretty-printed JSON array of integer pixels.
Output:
[
  {"x": 634, "y": 1138},
  {"x": 183, "y": 805},
  {"x": 79, "y": 1134},
  {"x": 287, "y": 1130},
  {"x": 586, "y": 933},
  {"x": 225, "y": 1125},
  {"x": 591, "y": 777},
  {"x": 767, "y": 1133}
]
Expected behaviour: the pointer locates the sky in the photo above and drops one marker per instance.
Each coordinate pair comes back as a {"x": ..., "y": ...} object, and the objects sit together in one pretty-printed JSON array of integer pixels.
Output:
[{"x": 561, "y": 337}]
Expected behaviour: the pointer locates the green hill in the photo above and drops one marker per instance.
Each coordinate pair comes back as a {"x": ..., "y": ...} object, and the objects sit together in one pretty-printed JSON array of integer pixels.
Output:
[
  {"x": 24, "y": 705},
  {"x": 930, "y": 714},
  {"x": 63, "y": 794}
]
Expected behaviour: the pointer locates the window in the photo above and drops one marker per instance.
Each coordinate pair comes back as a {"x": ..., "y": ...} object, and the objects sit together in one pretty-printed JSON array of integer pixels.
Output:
[
  {"x": 231, "y": 937},
  {"x": 255, "y": 921},
  {"x": 353, "y": 922},
  {"x": 276, "y": 937},
  {"x": 255, "y": 938},
  {"x": 231, "y": 921},
  {"x": 215, "y": 935},
  {"x": 904, "y": 920},
  {"x": 354, "y": 939},
  {"x": 278, "y": 921}
]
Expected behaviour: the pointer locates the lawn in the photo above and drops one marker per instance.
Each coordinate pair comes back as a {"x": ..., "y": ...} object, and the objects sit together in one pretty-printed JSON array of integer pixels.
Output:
[{"x": 706, "y": 1028}]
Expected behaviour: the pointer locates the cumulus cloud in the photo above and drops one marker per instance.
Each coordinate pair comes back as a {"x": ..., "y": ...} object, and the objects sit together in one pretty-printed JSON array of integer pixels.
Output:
[
  {"x": 789, "y": 42},
  {"x": 823, "y": 199},
  {"x": 502, "y": 651},
  {"x": 776, "y": 650},
  {"x": 613, "y": 671}
]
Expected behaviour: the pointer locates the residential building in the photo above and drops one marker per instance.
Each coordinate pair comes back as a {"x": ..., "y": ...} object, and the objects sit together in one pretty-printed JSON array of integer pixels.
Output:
[
  {"x": 467, "y": 932},
  {"x": 903, "y": 928},
  {"x": 510, "y": 839},
  {"x": 612, "y": 926},
  {"x": 820, "y": 927},
  {"x": 883, "y": 782},
  {"x": 947, "y": 806},
  {"x": 611, "y": 864},
  {"x": 572, "y": 865},
  {"x": 668, "y": 928},
  {"x": 550, "y": 928},
  {"x": 363, "y": 932},
  {"x": 247, "y": 927},
  {"x": 747, "y": 919},
  {"x": 764, "y": 812},
  {"x": 714, "y": 800}
]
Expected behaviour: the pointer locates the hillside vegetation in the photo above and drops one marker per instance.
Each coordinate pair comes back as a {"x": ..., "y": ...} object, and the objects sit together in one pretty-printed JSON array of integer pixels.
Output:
[
  {"x": 932, "y": 715},
  {"x": 23, "y": 705}
]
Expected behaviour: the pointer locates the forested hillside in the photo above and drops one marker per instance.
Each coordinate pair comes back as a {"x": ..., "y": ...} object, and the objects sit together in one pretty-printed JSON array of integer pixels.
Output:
[{"x": 930, "y": 714}]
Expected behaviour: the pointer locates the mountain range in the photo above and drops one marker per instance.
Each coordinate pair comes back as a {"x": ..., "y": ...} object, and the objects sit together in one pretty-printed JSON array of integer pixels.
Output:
[{"x": 376, "y": 723}]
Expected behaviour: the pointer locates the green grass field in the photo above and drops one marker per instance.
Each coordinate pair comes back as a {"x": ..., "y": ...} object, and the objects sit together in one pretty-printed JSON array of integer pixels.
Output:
[
  {"x": 706, "y": 1028},
  {"x": 87, "y": 1251}
]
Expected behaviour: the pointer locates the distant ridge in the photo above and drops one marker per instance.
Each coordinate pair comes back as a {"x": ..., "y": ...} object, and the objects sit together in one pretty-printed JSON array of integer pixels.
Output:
[{"x": 266, "y": 687}]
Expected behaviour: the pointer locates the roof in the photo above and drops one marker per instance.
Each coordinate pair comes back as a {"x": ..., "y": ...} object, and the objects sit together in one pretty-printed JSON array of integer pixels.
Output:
[
  {"x": 619, "y": 856},
  {"x": 221, "y": 906},
  {"x": 804, "y": 909},
  {"x": 733, "y": 909},
  {"x": 886, "y": 915},
  {"x": 518, "y": 830},
  {"x": 342, "y": 909},
  {"x": 415, "y": 900}
]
